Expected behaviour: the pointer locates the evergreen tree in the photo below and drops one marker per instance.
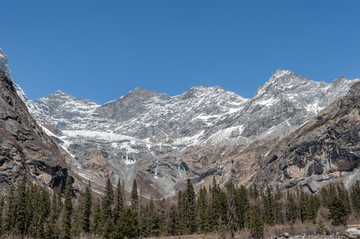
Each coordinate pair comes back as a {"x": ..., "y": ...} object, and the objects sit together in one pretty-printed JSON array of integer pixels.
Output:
[
  {"x": 131, "y": 228},
  {"x": 85, "y": 209},
  {"x": 97, "y": 220},
  {"x": 21, "y": 215},
  {"x": 2, "y": 203},
  {"x": 231, "y": 195},
  {"x": 190, "y": 208},
  {"x": 241, "y": 206},
  {"x": 119, "y": 200},
  {"x": 67, "y": 210},
  {"x": 291, "y": 208},
  {"x": 219, "y": 207},
  {"x": 107, "y": 229},
  {"x": 305, "y": 206},
  {"x": 134, "y": 196},
  {"x": 203, "y": 212},
  {"x": 180, "y": 225},
  {"x": 51, "y": 228},
  {"x": 108, "y": 200},
  {"x": 355, "y": 197},
  {"x": 337, "y": 210},
  {"x": 269, "y": 207},
  {"x": 10, "y": 211},
  {"x": 256, "y": 224}
]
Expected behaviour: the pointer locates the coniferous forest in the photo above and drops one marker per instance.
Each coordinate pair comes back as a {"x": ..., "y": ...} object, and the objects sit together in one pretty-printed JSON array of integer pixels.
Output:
[{"x": 34, "y": 212}]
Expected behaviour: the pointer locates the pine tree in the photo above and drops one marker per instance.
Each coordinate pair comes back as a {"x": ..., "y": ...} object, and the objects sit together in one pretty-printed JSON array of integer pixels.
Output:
[
  {"x": 134, "y": 196},
  {"x": 305, "y": 206},
  {"x": 97, "y": 220},
  {"x": 21, "y": 215},
  {"x": 10, "y": 211},
  {"x": 180, "y": 225},
  {"x": 108, "y": 227},
  {"x": 119, "y": 200},
  {"x": 203, "y": 212},
  {"x": 67, "y": 210},
  {"x": 256, "y": 224},
  {"x": 269, "y": 207},
  {"x": 85, "y": 209},
  {"x": 190, "y": 208},
  {"x": 131, "y": 228},
  {"x": 108, "y": 200},
  {"x": 241, "y": 206},
  {"x": 291, "y": 208},
  {"x": 355, "y": 197},
  {"x": 2, "y": 203},
  {"x": 337, "y": 210},
  {"x": 51, "y": 228},
  {"x": 231, "y": 195}
]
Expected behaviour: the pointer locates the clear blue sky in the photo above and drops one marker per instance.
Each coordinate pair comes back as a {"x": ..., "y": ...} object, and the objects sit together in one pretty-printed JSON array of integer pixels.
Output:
[{"x": 101, "y": 50}]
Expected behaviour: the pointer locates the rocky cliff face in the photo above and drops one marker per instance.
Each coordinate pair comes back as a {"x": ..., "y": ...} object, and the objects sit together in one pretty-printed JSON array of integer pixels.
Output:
[
  {"x": 325, "y": 148},
  {"x": 24, "y": 147}
]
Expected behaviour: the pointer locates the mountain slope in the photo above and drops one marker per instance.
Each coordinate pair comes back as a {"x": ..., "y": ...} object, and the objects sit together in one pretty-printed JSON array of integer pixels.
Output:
[
  {"x": 24, "y": 148},
  {"x": 326, "y": 148}
]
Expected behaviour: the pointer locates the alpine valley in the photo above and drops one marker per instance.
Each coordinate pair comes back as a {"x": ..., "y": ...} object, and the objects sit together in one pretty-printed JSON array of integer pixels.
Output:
[{"x": 294, "y": 131}]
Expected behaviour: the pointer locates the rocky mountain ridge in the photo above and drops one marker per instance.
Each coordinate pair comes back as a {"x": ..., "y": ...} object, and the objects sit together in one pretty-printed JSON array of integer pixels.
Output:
[
  {"x": 324, "y": 149},
  {"x": 161, "y": 140}
]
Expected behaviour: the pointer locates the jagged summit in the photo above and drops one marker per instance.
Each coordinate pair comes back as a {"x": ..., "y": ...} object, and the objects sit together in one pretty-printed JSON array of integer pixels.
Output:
[{"x": 4, "y": 64}]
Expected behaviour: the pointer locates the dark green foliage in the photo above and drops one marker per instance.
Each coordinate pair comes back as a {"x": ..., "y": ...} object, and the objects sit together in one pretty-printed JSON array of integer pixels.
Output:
[
  {"x": 51, "y": 227},
  {"x": 180, "y": 226},
  {"x": 256, "y": 224},
  {"x": 108, "y": 200},
  {"x": 219, "y": 207},
  {"x": 190, "y": 208},
  {"x": 85, "y": 210},
  {"x": 2, "y": 202},
  {"x": 291, "y": 208},
  {"x": 203, "y": 211},
  {"x": 21, "y": 215},
  {"x": 150, "y": 220},
  {"x": 67, "y": 210},
  {"x": 97, "y": 220},
  {"x": 27, "y": 211},
  {"x": 269, "y": 207},
  {"x": 241, "y": 206},
  {"x": 130, "y": 224},
  {"x": 134, "y": 196},
  {"x": 10, "y": 210},
  {"x": 355, "y": 197},
  {"x": 119, "y": 200},
  {"x": 338, "y": 206},
  {"x": 308, "y": 205}
]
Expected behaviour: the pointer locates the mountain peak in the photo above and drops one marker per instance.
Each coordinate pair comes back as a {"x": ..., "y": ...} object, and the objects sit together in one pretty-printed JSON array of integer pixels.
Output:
[
  {"x": 280, "y": 73},
  {"x": 4, "y": 63}
]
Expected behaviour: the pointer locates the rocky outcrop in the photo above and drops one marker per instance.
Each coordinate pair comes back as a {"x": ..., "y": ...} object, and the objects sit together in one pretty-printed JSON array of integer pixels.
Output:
[
  {"x": 325, "y": 148},
  {"x": 24, "y": 147},
  {"x": 352, "y": 233}
]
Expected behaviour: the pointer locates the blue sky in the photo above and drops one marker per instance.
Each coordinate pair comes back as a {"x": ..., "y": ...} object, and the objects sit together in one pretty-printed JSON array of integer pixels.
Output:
[{"x": 101, "y": 50}]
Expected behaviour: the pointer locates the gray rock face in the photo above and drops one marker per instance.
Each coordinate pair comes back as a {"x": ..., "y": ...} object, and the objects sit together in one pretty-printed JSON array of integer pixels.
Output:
[
  {"x": 326, "y": 147},
  {"x": 24, "y": 148}
]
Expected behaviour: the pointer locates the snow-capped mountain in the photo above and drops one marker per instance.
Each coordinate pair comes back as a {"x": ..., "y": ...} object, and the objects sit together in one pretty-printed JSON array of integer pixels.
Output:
[
  {"x": 147, "y": 134},
  {"x": 161, "y": 140}
]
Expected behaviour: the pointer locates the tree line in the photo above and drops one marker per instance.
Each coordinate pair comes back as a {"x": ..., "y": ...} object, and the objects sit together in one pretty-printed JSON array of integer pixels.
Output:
[{"x": 29, "y": 210}]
